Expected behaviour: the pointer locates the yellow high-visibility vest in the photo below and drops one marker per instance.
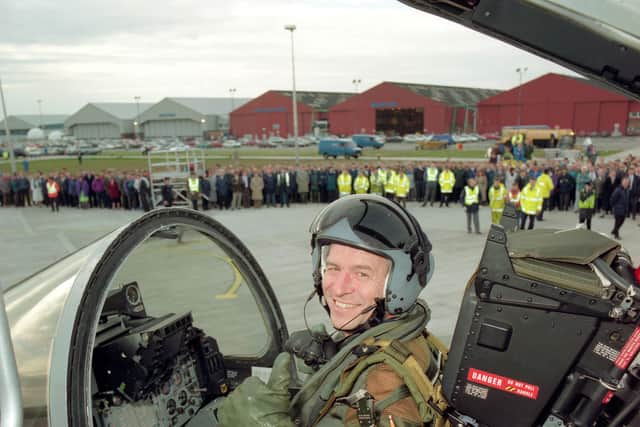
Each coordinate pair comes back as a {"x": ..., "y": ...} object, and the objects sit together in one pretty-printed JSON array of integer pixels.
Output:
[
  {"x": 432, "y": 174},
  {"x": 194, "y": 185},
  {"x": 531, "y": 200},
  {"x": 447, "y": 180},
  {"x": 361, "y": 185},
  {"x": 471, "y": 195},
  {"x": 497, "y": 198},
  {"x": 382, "y": 176},
  {"x": 52, "y": 190},
  {"x": 546, "y": 185},
  {"x": 390, "y": 185},
  {"x": 344, "y": 183},
  {"x": 402, "y": 185}
]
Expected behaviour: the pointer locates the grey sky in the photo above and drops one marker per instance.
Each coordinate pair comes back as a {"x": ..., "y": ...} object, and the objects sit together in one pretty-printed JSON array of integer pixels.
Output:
[{"x": 78, "y": 51}]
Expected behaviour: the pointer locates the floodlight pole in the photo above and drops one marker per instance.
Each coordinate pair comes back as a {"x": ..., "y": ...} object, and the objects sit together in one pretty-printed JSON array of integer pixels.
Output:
[
  {"x": 291, "y": 29},
  {"x": 520, "y": 72},
  {"x": 232, "y": 92},
  {"x": 356, "y": 82},
  {"x": 137, "y": 127},
  {"x": 40, "y": 113},
  {"x": 7, "y": 132}
]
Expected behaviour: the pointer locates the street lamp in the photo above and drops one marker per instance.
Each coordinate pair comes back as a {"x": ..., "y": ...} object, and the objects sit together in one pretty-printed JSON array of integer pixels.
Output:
[
  {"x": 40, "y": 112},
  {"x": 232, "y": 92},
  {"x": 291, "y": 29},
  {"x": 7, "y": 132},
  {"x": 356, "y": 82},
  {"x": 521, "y": 72},
  {"x": 137, "y": 98}
]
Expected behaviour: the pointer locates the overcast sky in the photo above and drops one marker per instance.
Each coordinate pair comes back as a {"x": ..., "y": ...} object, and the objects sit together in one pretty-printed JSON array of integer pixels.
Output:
[{"x": 80, "y": 51}]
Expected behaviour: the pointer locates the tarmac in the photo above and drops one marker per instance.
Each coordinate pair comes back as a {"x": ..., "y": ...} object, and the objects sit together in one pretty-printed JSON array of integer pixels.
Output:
[{"x": 33, "y": 238}]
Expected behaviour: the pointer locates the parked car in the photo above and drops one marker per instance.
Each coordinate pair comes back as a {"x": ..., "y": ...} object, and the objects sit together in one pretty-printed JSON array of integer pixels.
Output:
[
  {"x": 231, "y": 143},
  {"x": 266, "y": 144},
  {"x": 393, "y": 138},
  {"x": 443, "y": 137},
  {"x": 339, "y": 147},
  {"x": 302, "y": 142},
  {"x": 250, "y": 143},
  {"x": 415, "y": 137},
  {"x": 33, "y": 151},
  {"x": 276, "y": 140},
  {"x": 364, "y": 141}
]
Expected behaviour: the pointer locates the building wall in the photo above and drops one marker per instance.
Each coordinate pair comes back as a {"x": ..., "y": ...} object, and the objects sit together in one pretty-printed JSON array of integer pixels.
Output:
[
  {"x": 270, "y": 114},
  {"x": 95, "y": 131},
  {"x": 556, "y": 100},
  {"x": 359, "y": 111}
]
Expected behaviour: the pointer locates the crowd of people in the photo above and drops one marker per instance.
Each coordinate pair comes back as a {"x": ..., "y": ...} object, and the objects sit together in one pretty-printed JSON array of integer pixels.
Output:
[
  {"x": 534, "y": 186},
  {"x": 110, "y": 190}
]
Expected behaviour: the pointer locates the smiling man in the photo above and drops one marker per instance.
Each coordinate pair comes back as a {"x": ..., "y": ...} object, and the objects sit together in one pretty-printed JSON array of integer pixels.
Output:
[
  {"x": 380, "y": 367},
  {"x": 353, "y": 280}
]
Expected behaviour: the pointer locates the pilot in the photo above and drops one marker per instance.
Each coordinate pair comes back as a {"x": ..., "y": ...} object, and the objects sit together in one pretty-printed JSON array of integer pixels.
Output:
[{"x": 380, "y": 367}]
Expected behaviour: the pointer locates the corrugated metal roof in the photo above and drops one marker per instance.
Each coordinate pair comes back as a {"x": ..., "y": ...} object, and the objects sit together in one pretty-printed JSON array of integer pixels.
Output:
[
  {"x": 594, "y": 83},
  {"x": 319, "y": 101},
  {"x": 450, "y": 95},
  {"x": 122, "y": 110},
  {"x": 211, "y": 106},
  {"x": 34, "y": 119}
]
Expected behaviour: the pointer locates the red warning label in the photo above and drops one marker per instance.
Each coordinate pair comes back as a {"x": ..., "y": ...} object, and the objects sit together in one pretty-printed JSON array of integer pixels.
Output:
[
  {"x": 499, "y": 382},
  {"x": 629, "y": 351}
]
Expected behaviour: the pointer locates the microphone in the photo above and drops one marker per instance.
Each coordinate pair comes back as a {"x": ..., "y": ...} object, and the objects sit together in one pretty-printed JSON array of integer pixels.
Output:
[{"x": 364, "y": 311}]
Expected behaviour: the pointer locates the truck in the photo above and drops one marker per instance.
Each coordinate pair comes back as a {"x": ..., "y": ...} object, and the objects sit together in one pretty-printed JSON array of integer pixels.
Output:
[
  {"x": 364, "y": 141},
  {"x": 334, "y": 147},
  {"x": 542, "y": 136}
]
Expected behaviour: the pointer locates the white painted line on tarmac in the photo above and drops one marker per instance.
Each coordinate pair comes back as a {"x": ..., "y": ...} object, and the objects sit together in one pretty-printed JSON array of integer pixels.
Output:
[
  {"x": 66, "y": 243},
  {"x": 25, "y": 224}
]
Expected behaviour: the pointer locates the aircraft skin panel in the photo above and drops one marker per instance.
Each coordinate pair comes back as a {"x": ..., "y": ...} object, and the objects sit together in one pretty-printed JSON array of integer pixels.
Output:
[{"x": 33, "y": 308}]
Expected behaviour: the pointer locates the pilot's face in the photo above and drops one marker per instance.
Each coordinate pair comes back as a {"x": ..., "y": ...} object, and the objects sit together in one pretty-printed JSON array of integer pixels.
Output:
[{"x": 352, "y": 280}]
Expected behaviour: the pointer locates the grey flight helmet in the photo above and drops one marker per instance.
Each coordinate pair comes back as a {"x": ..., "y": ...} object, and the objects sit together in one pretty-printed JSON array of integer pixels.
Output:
[{"x": 382, "y": 227}]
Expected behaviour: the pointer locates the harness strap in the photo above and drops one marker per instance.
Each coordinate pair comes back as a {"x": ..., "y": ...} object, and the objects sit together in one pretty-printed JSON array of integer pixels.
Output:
[{"x": 395, "y": 396}]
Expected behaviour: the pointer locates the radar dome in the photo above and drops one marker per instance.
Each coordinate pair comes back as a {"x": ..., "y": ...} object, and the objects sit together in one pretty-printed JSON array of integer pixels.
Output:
[
  {"x": 35, "y": 134},
  {"x": 56, "y": 135}
]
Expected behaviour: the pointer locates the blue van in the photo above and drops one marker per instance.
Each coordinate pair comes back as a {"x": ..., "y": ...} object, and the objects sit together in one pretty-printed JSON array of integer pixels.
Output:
[
  {"x": 334, "y": 147},
  {"x": 364, "y": 141}
]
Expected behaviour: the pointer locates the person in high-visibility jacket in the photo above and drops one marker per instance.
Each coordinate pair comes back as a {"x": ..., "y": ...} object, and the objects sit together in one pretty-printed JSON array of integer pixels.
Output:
[
  {"x": 378, "y": 179},
  {"x": 53, "y": 191},
  {"x": 431, "y": 184},
  {"x": 447, "y": 180},
  {"x": 361, "y": 184},
  {"x": 194, "y": 189},
  {"x": 546, "y": 187},
  {"x": 390, "y": 184},
  {"x": 587, "y": 204},
  {"x": 402, "y": 186},
  {"x": 344, "y": 183},
  {"x": 470, "y": 198},
  {"x": 497, "y": 199},
  {"x": 530, "y": 203}
]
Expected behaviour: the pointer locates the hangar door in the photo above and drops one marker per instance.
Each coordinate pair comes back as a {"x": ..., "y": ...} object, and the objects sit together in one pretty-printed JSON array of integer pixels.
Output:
[
  {"x": 96, "y": 131},
  {"x": 586, "y": 117},
  {"x": 172, "y": 128},
  {"x": 400, "y": 121}
]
